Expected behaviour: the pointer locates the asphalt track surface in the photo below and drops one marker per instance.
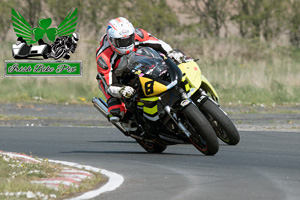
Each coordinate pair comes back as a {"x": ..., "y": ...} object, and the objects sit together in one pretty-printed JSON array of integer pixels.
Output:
[{"x": 264, "y": 165}]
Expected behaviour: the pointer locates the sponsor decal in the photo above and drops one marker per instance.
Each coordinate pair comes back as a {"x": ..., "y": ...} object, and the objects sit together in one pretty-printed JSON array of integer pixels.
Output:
[
  {"x": 124, "y": 32},
  {"x": 184, "y": 103},
  {"x": 102, "y": 63}
]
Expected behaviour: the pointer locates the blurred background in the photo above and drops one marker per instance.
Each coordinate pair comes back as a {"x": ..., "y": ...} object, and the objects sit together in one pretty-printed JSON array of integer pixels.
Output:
[{"x": 248, "y": 49}]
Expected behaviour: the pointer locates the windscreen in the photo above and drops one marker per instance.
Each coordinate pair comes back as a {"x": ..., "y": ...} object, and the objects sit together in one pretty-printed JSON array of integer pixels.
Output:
[{"x": 148, "y": 61}]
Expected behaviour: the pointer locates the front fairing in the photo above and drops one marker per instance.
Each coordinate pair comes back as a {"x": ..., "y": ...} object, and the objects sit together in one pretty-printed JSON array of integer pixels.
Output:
[
  {"x": 192, "y": 74},
  {"x": 156, "y": 74}
]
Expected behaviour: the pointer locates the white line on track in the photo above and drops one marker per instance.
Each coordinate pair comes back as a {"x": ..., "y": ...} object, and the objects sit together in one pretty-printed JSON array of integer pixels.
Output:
[{"x": 114, "y": 180}]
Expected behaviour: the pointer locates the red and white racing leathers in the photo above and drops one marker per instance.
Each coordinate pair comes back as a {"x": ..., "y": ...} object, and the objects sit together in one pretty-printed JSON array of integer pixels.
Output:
[{"x": 111, "y": 65}]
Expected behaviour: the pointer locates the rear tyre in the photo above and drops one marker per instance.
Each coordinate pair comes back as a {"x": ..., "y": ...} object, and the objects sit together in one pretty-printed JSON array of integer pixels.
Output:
[
  {"x": 223, "y": 126},
  {"x": 202, "y": 136},
  {"x": 152, "y": 147}
]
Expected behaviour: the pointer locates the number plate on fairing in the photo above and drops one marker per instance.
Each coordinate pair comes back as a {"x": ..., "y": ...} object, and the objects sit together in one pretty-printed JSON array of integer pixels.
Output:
[{"x": 151, "y": 87}]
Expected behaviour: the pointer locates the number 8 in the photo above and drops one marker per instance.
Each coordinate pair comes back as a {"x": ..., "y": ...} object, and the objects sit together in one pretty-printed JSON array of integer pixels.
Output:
[{"x": 149, "y": 87}]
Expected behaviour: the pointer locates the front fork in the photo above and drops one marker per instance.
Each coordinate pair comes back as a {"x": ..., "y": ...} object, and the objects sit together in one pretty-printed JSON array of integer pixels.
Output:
[
  {"x": 199, "y": 100},
  {"x": 185, "y": 102}
]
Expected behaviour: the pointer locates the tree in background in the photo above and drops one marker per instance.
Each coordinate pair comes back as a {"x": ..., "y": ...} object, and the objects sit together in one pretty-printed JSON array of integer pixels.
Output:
[
  {"x": 5, "y": 17},
  {"x": 212, "y": 15},
  {"x": 98, "y": 12},
  {"x": 294, "y": 25},
  {"x": 256, "y": 18},
  {"x": 154, "y": 16},
  {"x": 264, "y": 19},
  {"x": 60, "y": 9},
  {"x": 92, "y": 14},
  {"x": 31, "y": 11}
]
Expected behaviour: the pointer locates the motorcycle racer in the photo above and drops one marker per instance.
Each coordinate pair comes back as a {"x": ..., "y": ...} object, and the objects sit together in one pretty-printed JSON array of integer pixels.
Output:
[
  {"x": 116, "y": 45},
  {"x": 63, "y": 45}
]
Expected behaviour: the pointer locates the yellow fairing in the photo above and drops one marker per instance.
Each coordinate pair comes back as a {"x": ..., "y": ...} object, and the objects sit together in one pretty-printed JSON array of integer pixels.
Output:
[
  {"x": 193, "y": 73},
  {"x": 209, "y": 88},
  {"x": 196, "y": 79},
  {"x": 152, "y": 88}
]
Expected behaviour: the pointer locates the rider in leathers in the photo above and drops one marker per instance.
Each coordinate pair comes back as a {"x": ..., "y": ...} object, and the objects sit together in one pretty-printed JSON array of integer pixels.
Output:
[
  {"x": 63, "y": 45},
  {"x": 112, "y": 56}
]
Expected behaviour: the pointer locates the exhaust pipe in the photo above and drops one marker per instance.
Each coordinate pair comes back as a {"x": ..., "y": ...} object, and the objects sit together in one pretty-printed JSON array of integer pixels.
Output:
[{"x": 101, "y": 106}]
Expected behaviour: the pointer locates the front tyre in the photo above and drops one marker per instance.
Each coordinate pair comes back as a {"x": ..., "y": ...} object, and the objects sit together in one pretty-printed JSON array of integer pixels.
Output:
[
  {"x": 202, "y": 136},
  {"x": 222, "y": 125}
]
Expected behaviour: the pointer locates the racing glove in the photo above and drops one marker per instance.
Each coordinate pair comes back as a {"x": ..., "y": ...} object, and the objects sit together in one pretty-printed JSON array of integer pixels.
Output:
[
  {"x": 119, "y": 92},
  {"x": 177, "y": 56},
  {"x": 126, "y": 91}
]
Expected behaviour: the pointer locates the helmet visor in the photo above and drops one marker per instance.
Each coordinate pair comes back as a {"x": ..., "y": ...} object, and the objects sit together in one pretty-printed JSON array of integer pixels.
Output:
[{"x": 123, "y": 42}]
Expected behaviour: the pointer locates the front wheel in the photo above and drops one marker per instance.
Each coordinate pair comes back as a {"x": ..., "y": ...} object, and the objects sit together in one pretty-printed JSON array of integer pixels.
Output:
[
  {"x": 222, "y": 125},
  {"x": 202, "y": 134},
  {"x": 60, "y": 52}
]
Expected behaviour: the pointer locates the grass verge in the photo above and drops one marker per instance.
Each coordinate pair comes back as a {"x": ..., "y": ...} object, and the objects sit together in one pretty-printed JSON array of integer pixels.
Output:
[{"x": 17, "y": 180}]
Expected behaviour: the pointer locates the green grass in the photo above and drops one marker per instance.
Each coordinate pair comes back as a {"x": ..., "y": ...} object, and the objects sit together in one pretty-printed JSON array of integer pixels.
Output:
[
  {"x": 16, "y": 176},
  {"x": 52, "y": 89},
  {"x": 244, "y": 71},
  {"x": 248, "y": 71}
]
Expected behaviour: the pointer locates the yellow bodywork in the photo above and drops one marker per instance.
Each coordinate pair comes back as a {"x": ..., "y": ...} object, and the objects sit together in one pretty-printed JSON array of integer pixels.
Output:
[
  {"x": 196, "y": 79},
  {"x": 151, "y": 88},
  {"x": 192, "y": 75},
  {"x": 192, "y": 72}
]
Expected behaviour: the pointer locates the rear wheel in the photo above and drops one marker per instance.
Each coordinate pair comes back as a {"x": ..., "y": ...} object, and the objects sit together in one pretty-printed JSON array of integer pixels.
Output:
[
  {"x": 223, "y": 126},
  {"x": 152, "y": 147},
  {"x": 202, "y": 136}
]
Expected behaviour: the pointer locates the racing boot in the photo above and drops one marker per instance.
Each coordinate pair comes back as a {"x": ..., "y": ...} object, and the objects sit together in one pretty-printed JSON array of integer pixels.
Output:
[
  {"x": 150, "y": 129},
  {"x": 116, "y": 109},
  {"x": 128, "y": 123}
]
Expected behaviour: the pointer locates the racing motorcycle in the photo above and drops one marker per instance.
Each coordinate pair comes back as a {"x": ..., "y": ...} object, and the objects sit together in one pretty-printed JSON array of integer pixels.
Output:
[
  {"x": 157, "y": 78},
  {"x": 206, "y": 99}
]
